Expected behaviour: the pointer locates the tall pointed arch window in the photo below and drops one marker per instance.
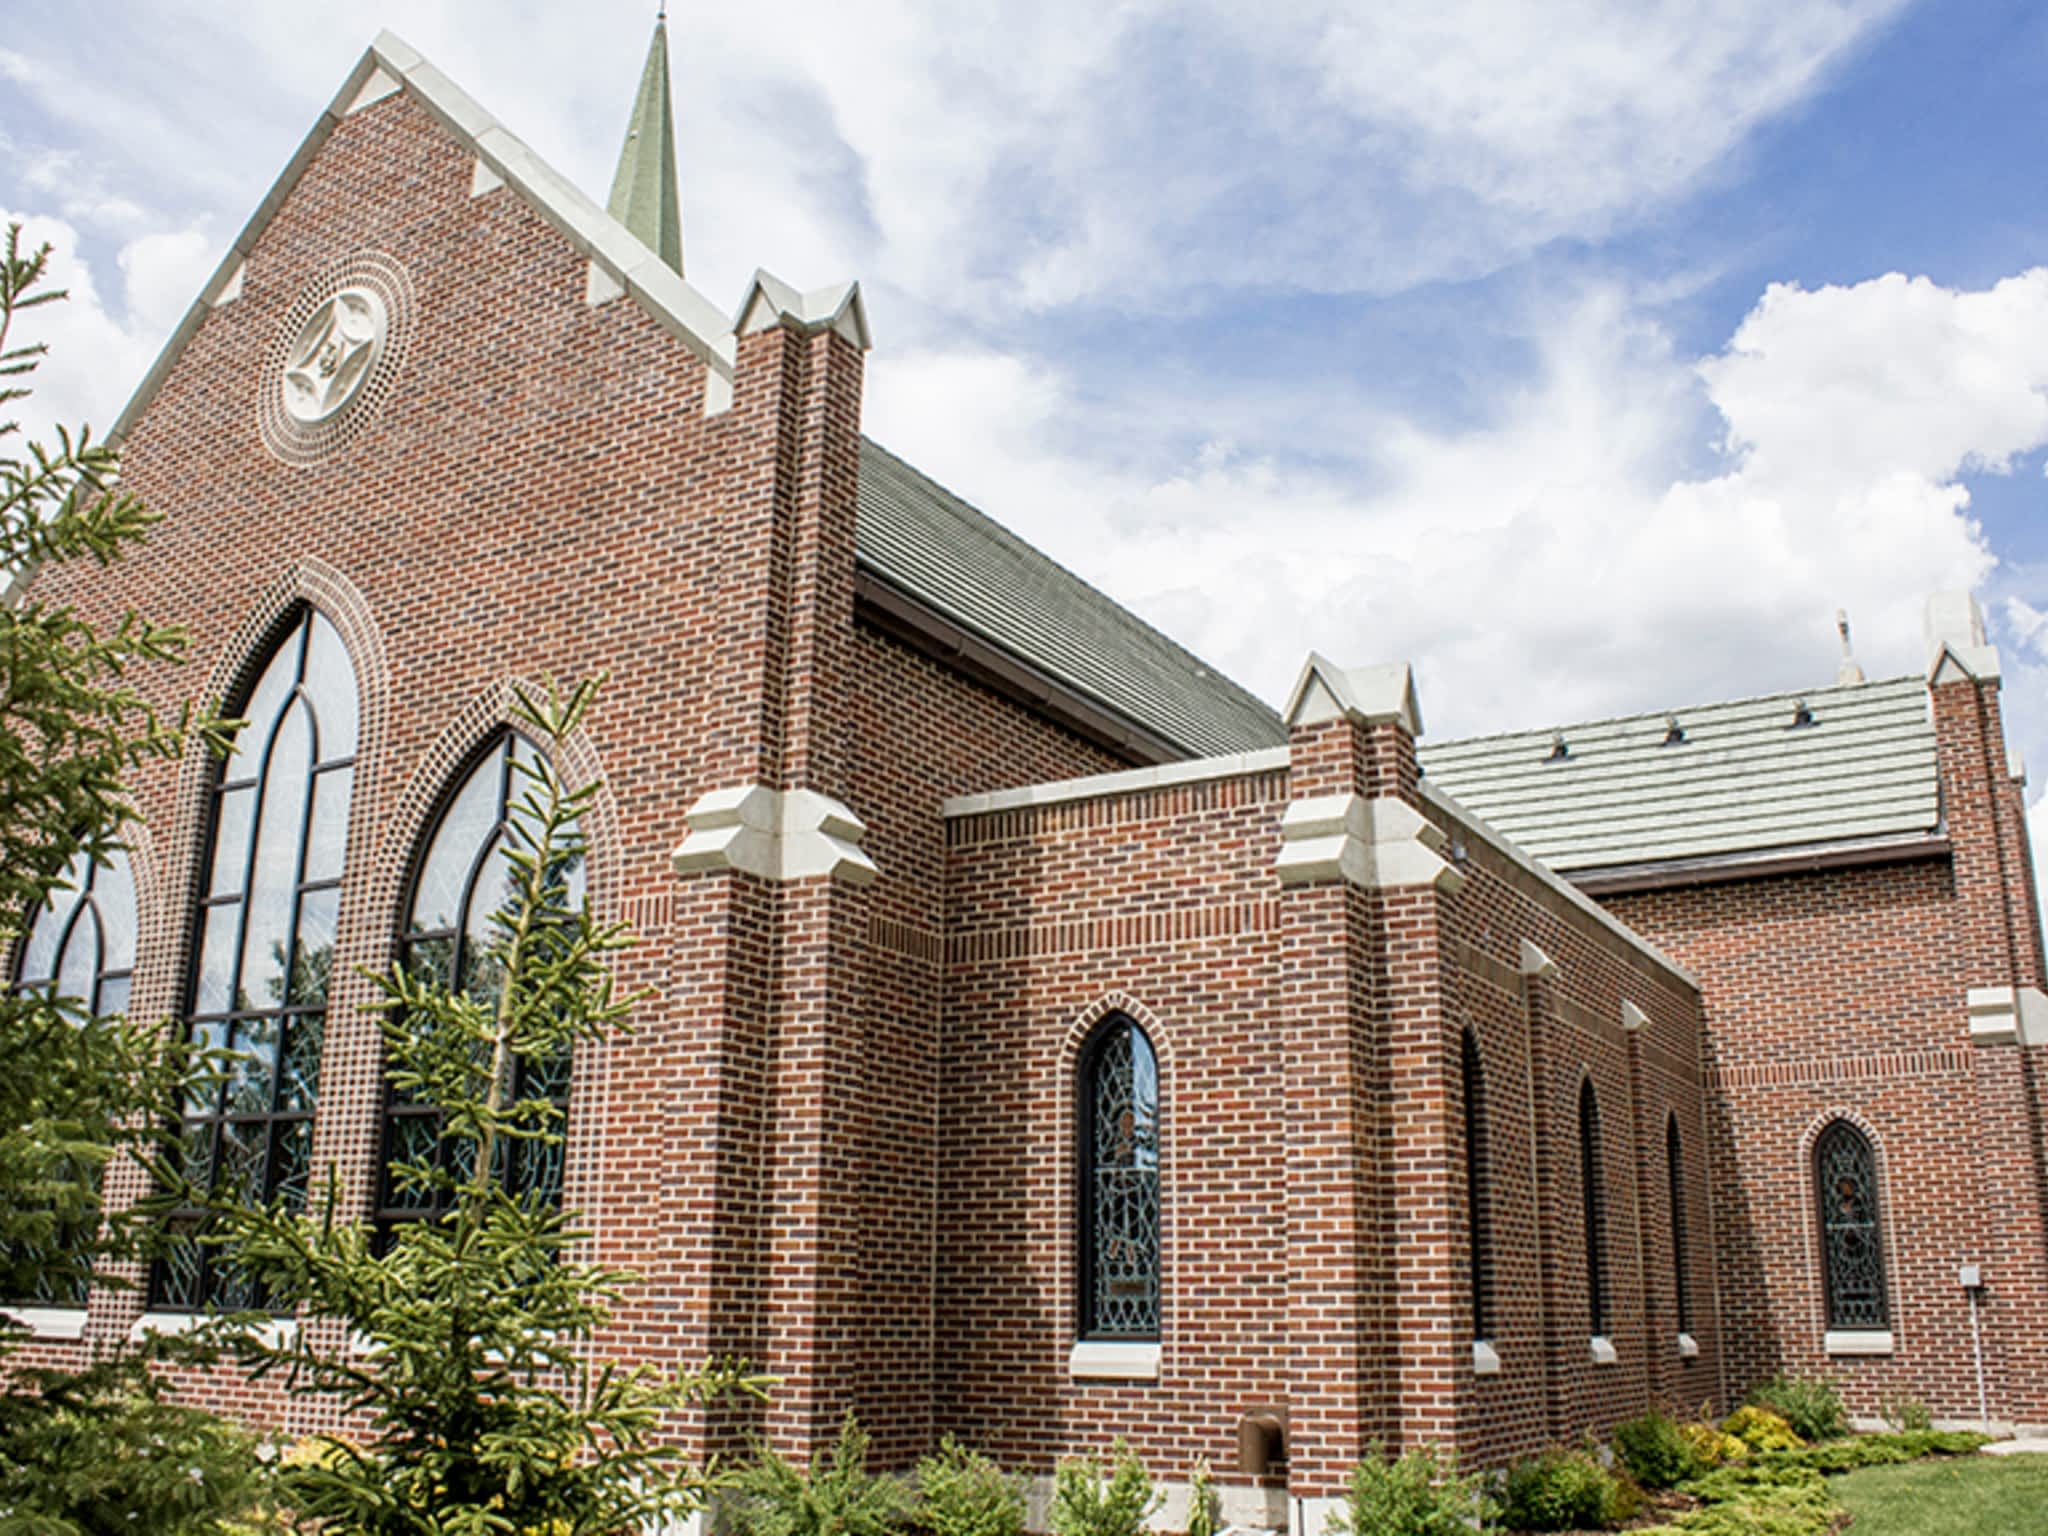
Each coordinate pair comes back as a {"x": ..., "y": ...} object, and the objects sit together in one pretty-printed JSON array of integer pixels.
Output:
[
  {"x": 80, "y": 946},
  {"x": 1852, "y": 1243},
  {"x": 1477, "y": 1229},
  {"x": 272, "y": 888},
  {"x": 1674, "y": 1174},
  {"x": 1593, "y": 1191},
  {"x": 463, "y": 875},
  {"x": 1120, "y": 1198}
]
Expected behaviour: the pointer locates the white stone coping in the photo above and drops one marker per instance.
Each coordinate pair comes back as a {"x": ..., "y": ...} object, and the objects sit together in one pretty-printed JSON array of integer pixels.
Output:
[
  {"x": 1858, "y": 1341},
  {"x": 1688, "y": 1347},
  {"x": 49, "y": 1322},
  {"x": 1113, "y": 1360},
  {"x": 1485, "y": 1359},
  {"x": 776, "y": 834},
  {"x": 1378, "y": 844},
  {"x": 1601, "y": 1350},
  {"x": 2007, "y": 1016},
  {"x": 1368, "y": 695},
  {"x": 1515, "y": 854},
  {"x": 1101, "y": 786},
  {"x": 278, "y": 1333}
]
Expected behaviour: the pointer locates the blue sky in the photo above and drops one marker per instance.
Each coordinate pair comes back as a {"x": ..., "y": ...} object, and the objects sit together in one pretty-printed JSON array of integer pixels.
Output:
[{"x": 1588, "y": 355}]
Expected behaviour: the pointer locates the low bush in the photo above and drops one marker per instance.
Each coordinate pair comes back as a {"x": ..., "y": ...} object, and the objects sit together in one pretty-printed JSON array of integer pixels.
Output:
[
  {"x": 1564, "y": 1490},
  {"x": 1905, "y": 1414},
  {"x": 1710, "y": 1446},
  {"x": 1882, "y": 1450},
  {"x": 1656, "y": 1450},
  {"x": 1204, "y": 1508},
  {"x": 1761, "y": 1430},
  {"x": 835, "y": 1496},
  {"x": 1086, "y": 1501},
  {"x": 1763, "y": 1500},
  {"x": 1812, "y": 1405},
  {"x": 961, "y": 1493},
  {"x": 1418, "y": 1495}
]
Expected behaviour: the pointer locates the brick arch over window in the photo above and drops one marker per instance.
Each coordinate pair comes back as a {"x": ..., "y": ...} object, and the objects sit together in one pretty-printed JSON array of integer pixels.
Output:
[{"x": 1849, "y": 1206}]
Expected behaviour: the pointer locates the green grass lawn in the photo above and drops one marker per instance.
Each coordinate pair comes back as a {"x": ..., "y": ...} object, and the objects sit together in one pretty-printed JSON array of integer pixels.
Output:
[{"x": 1966, "y": 1496}]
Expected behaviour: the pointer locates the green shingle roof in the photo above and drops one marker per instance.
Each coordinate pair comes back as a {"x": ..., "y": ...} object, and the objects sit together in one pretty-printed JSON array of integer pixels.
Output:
[
  {"x": 1745, "y": 778},
  {"x": 928, "y": 543}
]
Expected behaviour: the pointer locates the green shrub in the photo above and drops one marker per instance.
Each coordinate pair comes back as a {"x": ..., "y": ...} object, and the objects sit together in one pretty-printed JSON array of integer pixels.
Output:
[
  {"x": 1204, "y": 1508},
  {"x": 1656, "y": 1450},
  {"x": 835, "y": 1496},
  {"x": 1085, "y": 1502},
  {"x": 1763, "y": 1500},
  {"x": 964, "y": 1494},
  {"x": 1883, "y": 1450},
  {"x": 1812, "y": 1405},
  {"x": 1561, "y": 1490},
  {"x": 1905, "y": 1414},
  {"x": 1761, "y": 1429},
  {"x": 1418, "y": 1495}
]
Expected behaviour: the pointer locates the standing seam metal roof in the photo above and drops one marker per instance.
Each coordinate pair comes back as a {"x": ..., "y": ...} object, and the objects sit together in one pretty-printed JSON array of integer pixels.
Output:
[
  {"x": 920, "y": 537},
  {"x": 1745, "y": 778}
]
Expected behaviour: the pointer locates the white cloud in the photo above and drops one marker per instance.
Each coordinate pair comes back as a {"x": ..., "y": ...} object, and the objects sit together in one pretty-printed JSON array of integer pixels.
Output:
[{"x": 1556, "y": 561}]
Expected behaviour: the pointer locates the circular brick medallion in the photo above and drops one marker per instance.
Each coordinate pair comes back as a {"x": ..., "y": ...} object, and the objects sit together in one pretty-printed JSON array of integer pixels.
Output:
[{"x": 340, "y": 346}]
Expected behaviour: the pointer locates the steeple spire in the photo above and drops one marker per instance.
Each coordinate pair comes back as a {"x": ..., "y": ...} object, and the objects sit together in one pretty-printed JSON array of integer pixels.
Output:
[{"x": 647, "y": 195}]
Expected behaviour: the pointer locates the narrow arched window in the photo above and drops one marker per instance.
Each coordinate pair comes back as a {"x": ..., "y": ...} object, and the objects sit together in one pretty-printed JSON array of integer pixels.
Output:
[
  {"x": 1119, "y": 1214},
  {"x": 80, "y": 946},
  {"x": 1674, "y": 1174},
  {"x": 1475, "y": 1189},
  {"x": 1593, "y": 1191},
  {"x": 462, "y": 875},
  {"x": 1852, "y": 1245},
  {"x": 275, "y": 847}
]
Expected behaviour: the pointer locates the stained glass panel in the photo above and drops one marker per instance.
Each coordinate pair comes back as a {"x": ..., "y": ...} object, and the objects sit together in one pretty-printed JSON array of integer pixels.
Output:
[
  {"x": 1121, "y": 1195},
  {"x": 1853, "y": 1252},
  {"x": 266, "y": 949}
]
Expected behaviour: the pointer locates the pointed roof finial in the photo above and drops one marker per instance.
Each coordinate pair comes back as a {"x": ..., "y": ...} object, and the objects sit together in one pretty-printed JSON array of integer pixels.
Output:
[
  {"x": 1847, "y": 673},
  {"x": 647, "y": 194}
]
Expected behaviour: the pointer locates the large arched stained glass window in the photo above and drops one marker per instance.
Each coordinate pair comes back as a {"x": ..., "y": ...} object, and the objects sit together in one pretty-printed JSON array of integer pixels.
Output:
[
  {"x": 266, "y": 943},
  {"x": 462, "y": 878},
  {"x": 1852, "y": 1245},
  {"x": 1119, "y": 1215},
  {"x": 80, "y": 946},
  {"x": 1593, "y": 1190},
  {"x": 1473, "y": 1072},
  {"x": 1675, "y": 1176}
]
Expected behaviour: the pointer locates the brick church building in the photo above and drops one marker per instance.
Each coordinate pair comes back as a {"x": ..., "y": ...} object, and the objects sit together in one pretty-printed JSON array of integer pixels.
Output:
[{"x": 1047, "y": 1040}]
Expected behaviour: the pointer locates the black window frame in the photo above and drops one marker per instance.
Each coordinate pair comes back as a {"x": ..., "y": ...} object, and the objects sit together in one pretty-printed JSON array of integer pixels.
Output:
[
  {"x": 392, "y": 1209},
  {"x": 1877, "y": 1318},
  {"x": 1593, "y": 1193},
  {"x": 1674, "y": 1173},
  {"x": 211, "y": 1285},
  {"x": 1479, "y": 1235},
  {"x": 1090, "y": 1326}
]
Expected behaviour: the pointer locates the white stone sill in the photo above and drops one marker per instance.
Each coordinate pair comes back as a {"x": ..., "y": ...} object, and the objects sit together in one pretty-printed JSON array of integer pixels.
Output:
[
  {"x": 1688, "y": 1347},
  {"x": 1100, "y": 1360},
  {"x": 275, "y": 1334},
  {"x": 1602, "y": 1350},
  {"x": 1485, "y": 1359},
  {"x": 50, "y": 1322},
  {"x": 1858, "y": 1343}
]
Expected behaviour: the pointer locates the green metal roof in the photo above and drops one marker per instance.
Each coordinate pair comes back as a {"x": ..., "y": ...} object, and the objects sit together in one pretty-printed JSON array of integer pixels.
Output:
[
  {"x": 928, "y": 543},
  {"x": 647, "y": 194},
  {"x": 1744, "y": 779}
]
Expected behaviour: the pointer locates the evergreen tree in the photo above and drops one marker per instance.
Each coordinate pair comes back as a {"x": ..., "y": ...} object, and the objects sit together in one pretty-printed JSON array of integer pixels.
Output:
[
  {"x": 101, "y": 1448},
  {"x": 465, "y": 1351}
]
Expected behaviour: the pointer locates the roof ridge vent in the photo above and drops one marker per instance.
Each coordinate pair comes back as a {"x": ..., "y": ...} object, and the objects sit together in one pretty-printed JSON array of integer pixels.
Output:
[
  {"x": 1802, "y": 716},
  {"x": 1674, "y": 733},
  {"x": 1847, "y": 672}
]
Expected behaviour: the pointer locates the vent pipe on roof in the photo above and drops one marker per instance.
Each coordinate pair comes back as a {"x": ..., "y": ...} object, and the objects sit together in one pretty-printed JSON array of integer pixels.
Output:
[
  {"x": 1559, "y": 752},
  {"x": 1847, "y": 672},
  {"x": 1674, "y": 733}
]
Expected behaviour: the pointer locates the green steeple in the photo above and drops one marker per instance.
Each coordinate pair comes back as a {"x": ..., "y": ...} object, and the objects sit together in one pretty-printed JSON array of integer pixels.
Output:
[{"x": 647, "y": 196}]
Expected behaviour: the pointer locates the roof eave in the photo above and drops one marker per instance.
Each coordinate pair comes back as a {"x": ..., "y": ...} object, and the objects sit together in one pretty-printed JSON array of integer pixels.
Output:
[{"x": 1759, "y": 863}]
